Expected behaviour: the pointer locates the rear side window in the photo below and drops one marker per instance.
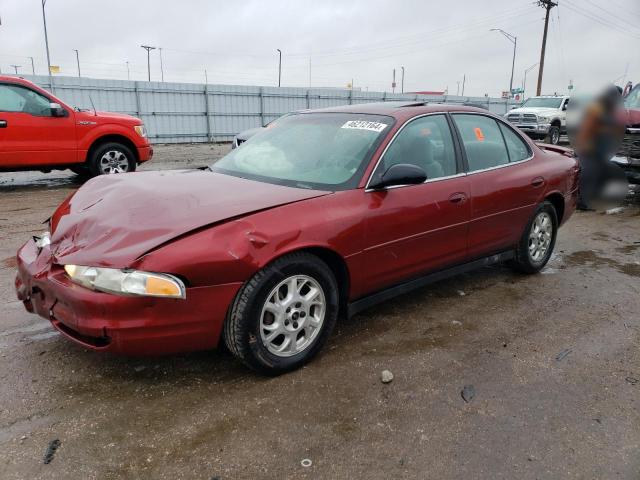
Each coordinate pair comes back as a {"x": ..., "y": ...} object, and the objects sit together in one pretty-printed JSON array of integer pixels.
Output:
[
  {"x": 517, "y": 148},
  {"x": 425, "y": 142},
  {"x": 482, "y": 140}
]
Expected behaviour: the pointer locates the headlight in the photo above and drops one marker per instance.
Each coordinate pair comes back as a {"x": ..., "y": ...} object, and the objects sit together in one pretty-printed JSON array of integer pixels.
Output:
[
  {"x": 542, "y": 119},
  {"x": 127, "y": 282},
  {"x": 140, "y": 130}
]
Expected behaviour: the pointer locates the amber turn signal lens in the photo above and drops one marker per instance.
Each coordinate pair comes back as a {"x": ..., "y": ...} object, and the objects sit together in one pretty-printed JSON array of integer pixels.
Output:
[{"x": 162, "y": 287}]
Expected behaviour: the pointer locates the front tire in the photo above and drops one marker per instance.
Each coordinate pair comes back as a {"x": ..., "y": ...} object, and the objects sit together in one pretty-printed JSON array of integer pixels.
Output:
[
  {"x": 538, "y": 240},
  {"x": 283, "y": 316},
  {"x": 110, "y": 158},
  {"x": 553, "y": 137}
]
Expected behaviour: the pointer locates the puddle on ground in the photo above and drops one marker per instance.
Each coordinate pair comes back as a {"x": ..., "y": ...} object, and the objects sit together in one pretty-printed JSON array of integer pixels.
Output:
[{"x": 591, "y": 258}]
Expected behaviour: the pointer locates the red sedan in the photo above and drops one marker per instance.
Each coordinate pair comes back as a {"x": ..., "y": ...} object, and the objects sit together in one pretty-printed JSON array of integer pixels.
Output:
[{"x": 322, "y": 215}]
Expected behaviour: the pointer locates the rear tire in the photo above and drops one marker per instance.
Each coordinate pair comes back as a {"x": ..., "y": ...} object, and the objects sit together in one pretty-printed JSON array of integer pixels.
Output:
[
  {"x": 271, "y": 326},
  {"x": 538, "y": 240},
  {"x": 110, "y": 158}
]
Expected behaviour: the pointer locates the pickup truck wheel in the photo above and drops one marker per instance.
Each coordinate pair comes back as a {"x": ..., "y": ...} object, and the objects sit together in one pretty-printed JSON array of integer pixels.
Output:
[
  {"x": 553, "y": 137},
  {"x": 538, "y": 240},
  {"x": 283, "y": 316},
  {"x": 111, "y": 158}
]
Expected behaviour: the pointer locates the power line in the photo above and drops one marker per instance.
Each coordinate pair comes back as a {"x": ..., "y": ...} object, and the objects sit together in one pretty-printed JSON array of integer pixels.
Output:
[
  {"x": 611, "y": 25},
  {"x": 612, "y": 14}
]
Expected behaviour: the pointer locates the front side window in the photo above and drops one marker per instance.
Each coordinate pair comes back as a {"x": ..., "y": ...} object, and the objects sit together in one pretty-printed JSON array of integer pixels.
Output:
[
  {"x": 325, "y": 151},
  {"x": 633, "y": 99},
  {"x": 482, "y": 140},
  {"x": 14, "y": 98},
  {"x": 425, "y": 142}
]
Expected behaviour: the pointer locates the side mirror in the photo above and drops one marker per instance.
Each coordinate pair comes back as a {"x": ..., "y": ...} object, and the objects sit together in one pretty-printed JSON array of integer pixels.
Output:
[
  {"x": 57, "y": 110},
  {"x": 400, "y": 174}
]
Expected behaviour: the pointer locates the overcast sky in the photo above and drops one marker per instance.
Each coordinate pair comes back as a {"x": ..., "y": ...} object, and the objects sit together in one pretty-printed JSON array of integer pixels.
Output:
[{"x": 329, "y": 43}]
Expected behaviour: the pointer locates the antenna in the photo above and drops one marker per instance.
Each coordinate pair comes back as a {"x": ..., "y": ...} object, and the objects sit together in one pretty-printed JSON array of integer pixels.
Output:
[{"x": 93, "y": 106}]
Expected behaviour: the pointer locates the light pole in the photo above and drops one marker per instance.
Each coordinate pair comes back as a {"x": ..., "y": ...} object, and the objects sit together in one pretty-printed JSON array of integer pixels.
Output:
[
  {"x": 279, "y": 65},
  {"x": 16, "y": 67},
  {"x": 46, "y": 43},
  {"x": 524, "y": 80},
  {"x": 161, "y": 66},
  {"x": 402, "y": 81},
  {"x": 33, "y": 67},
  {"x": 148, "y": 49},
  {"x": 513, "y": 39},
  {"x": 77, "y": 61},
  {"x": 128, "y": 74}
]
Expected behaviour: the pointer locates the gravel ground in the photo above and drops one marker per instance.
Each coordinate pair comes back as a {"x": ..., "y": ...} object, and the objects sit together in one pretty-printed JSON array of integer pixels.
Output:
[{"x": 550, "y": 363}]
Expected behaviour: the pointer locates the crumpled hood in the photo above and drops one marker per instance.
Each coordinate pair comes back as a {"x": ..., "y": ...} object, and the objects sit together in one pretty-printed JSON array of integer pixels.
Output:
[{"x": 114, "y": 219}]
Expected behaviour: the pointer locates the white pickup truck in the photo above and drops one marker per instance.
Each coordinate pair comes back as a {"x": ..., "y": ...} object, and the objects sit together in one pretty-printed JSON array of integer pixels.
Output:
[{"x": 541, "y": 117}]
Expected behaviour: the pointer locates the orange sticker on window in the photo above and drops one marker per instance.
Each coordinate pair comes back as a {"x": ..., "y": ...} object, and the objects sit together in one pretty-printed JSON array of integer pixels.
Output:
[{"x": 479, "y": 134}]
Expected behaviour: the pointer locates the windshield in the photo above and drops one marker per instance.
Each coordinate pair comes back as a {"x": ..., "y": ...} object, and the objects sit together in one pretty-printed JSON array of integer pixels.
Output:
[
  {"x": 324, "y": 151},
  {"x": 633, "y": 99},
  {"x": 538, "y": 102}
]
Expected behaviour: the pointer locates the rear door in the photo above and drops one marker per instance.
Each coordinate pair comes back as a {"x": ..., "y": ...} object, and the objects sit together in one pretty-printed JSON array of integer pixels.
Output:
[
  {"x": 29, "y": 134},
  {"x": 414, "y": 229},
  {"x": 503, "y": 179}
]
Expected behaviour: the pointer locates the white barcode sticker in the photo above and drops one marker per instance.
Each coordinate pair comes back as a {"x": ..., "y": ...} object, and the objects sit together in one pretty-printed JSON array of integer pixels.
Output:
[{"x": 365, "y": 125}]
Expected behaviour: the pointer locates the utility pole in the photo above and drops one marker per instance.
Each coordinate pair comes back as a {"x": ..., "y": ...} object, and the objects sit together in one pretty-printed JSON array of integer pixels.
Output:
[
  {"x": 513, "y": 39},
  {"x": 161, "y": 66},
  {"x": 279, "y": 65},
  {"x": 464, "y": 80},
  {"x": 548, "y": 5},
  {"x": 33, "y": 67},
  {"x": 46, "y": 43},
  {"x": 206, "y": 79},
  {"x": 148, "y": 49},
  {"x": 128, "y": 74},
  {"x": 402, "y": 81},
  {"x": 458, "y": 89},
  {"x": 393, "y": 83},
  {"x": 16, "y": 67},
  {"x": 77, "y": 61}
]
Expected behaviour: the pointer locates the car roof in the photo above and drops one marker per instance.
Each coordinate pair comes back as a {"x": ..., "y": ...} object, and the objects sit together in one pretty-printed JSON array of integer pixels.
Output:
[
  {"x": 14, "y": 79},
  {"x": 399, "y": 109}
]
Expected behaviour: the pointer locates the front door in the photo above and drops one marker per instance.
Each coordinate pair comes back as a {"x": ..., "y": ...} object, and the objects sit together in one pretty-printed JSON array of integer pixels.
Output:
[
  {"x": 413, "y": 229},
  {"x": 29, "y": 134}
]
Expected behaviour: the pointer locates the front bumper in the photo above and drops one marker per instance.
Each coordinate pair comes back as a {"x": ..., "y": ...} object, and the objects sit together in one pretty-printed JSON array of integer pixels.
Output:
[
  {"x": 145, "y": 153},
  {"x": 120, "y": 324},
  {"x": 541, "y": 129}
]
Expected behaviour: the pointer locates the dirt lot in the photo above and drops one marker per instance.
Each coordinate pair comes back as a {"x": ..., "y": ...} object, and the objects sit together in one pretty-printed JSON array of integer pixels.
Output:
[{"x": 554, "y": 360}]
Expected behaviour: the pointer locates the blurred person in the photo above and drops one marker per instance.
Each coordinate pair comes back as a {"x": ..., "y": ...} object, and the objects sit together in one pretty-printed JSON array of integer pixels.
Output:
[{"x": 597, "y": 139}]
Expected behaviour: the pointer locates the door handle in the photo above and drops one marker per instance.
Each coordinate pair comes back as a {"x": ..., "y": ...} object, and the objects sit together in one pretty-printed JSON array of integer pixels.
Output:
[
  {"x": 3, "y": 124},
  {"x": 458, "y": 198},
  {"x": 537, "y": 182}
]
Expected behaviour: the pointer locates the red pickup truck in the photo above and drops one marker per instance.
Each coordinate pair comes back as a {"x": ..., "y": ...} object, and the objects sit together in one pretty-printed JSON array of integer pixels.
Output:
[{"x": 40, "y": 132}]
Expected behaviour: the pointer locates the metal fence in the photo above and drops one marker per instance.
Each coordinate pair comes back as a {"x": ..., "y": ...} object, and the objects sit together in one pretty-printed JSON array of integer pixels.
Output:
[{"x": 190, "y": 112}]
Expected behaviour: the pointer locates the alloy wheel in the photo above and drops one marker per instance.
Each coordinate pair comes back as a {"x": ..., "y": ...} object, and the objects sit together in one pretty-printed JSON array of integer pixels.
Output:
[
  {"x": 540, "y": 236},
  {"x": 114, "y": 161},
  {"x": 292, "y": 315}
]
